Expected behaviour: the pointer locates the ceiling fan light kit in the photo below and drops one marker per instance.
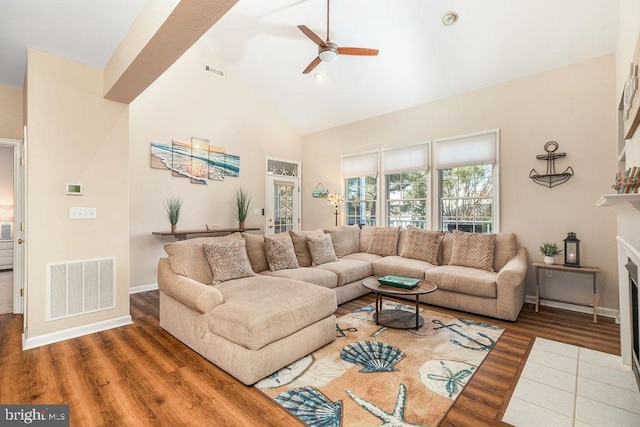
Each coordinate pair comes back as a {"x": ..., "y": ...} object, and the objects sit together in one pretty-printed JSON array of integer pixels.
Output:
[{"x": 329, "y": 51}]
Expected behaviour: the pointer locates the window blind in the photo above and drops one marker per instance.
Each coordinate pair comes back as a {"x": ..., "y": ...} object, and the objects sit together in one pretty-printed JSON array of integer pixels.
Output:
[
  {"x": 406, "y": 159},
  {"x": 466, "y": 151},
  {"x": 360, "y": 165}
]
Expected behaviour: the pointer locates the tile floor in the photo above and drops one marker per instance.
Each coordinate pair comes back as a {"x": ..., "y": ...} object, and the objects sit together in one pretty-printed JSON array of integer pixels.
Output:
[{"x": 565, "y": 385}]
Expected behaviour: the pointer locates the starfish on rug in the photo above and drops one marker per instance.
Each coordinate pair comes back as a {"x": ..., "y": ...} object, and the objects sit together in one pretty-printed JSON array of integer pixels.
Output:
[{"x": 396, "y": 418}]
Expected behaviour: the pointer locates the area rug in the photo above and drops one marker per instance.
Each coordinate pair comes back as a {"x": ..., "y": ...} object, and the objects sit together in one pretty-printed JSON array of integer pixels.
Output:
[{"x": 372, "y": 375}]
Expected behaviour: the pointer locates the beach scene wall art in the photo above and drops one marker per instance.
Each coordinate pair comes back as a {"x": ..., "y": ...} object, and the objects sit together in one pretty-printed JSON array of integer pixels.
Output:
[{"x": 197, "y": 160}]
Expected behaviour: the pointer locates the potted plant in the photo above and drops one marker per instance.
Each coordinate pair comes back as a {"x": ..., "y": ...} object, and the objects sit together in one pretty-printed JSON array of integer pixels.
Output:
[
  {"x": 550, "y": 251},
  {"x": 173, "y": 206},
  {"x": 241, "y": 206}
]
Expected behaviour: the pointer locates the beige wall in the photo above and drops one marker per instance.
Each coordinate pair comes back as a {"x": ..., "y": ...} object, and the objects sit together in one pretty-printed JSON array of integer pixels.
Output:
[
  {"x": 10, "y": 112},
  {"x": 188, "y": 101},
  {"x": 75, "y": 136},
  {"x": 573, "y": 105},
  {"x": 628, "y": 34}
]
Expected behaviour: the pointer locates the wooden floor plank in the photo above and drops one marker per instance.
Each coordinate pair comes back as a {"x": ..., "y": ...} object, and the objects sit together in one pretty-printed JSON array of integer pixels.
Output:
[{"x": 140, "y": 375}]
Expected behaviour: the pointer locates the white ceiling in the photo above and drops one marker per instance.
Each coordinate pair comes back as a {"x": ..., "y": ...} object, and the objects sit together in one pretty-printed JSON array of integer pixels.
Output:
[
  {"x": 86, "y": 31},
  {"x": 420, "y": 60}
]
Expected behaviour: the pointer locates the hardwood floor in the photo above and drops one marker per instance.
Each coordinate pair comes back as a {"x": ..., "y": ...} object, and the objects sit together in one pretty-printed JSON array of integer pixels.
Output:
[{"x": 140, "y": 375}]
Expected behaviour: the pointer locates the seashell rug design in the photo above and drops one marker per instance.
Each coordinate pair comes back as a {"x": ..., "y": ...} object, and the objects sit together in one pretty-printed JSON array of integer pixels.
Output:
[{"x": 372, "y": 375}]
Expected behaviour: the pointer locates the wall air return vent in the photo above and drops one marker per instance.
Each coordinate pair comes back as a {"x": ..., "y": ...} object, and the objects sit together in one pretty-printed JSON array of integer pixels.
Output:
[{"x": 80, "y": 287}]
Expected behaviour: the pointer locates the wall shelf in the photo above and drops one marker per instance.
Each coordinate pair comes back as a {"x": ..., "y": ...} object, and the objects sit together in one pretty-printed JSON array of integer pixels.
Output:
[
  {"x": 183, "y": 235},
  {"x": 620, "y": 201}
]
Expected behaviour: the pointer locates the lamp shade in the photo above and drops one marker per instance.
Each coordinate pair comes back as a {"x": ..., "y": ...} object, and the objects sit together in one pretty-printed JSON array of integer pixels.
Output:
[{"x": 572, "y": 250}]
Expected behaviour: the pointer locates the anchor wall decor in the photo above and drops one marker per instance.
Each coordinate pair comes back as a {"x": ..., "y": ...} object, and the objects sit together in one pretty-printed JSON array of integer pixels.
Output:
[{"x": 551, "y": 178}]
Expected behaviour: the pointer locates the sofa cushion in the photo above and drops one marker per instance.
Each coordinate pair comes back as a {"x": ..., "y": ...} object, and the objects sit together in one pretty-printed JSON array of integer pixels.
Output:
[
  {"x": 260, "y": 310},
  {"x": 228, "y": 260},
  {"x": 348, "y": 270},
  {"x": 400, "y": 266},
  {"x": 366, "y": 234},
  {"x": 384, "y": 241},
  {"x": 187, "y": 257},
  {"x": 362, "y": 256},
  {"x": 473, "y": 250},
  {"x": 422, "y": 244},
  {"x": 464, "y": 280},
  {"x": 505, "y": 249},
  {"x": 323, "y": 278},
  {"x": 279, "y": 251},
  {"x": 255, "y": 251},
  {"x": 345, "y": 239},
  {"x": 321, "y": 250},
  {"x": 300, "y": 245}
]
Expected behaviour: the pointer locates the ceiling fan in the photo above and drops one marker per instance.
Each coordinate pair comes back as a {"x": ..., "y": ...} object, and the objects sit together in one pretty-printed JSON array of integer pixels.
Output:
[{"x": 329, "y": 51}]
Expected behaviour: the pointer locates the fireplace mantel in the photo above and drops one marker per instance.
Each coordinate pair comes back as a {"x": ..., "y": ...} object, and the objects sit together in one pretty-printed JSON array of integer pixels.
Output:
[{"x": 620, "y": 201}]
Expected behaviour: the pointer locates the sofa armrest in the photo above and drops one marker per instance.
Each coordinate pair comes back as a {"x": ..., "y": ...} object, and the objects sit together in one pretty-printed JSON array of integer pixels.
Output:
[
  {"x": 514, "y": 271},
  {"x": 195, "y": 295},
  {"x": 511, "y": 283}
]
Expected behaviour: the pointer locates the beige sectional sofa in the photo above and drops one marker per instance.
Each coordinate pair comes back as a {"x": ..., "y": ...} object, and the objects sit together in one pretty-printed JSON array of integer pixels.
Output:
[{"x": 252, "y": 304}]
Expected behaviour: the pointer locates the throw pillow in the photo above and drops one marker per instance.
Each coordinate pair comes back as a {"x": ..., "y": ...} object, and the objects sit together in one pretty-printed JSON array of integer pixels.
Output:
[
  {"x": 228, "y": 260},
  {"x": 188, "y": 259},
  {"x": 321, "y": 249},
  {"x": 280, "y": 252},
  {"x": 422, "y": 244},
  {"x": 300, "y": 245},
  {"x": 384, "y": 241},
  {"x": 345, "y": 239},
  {"x": 473, "y": 250}
]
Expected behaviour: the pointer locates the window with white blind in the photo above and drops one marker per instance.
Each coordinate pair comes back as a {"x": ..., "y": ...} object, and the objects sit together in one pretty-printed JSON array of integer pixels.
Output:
[
  {"x": 405, "y": 170},
  {"x": 360, "y": 175},
  {"x": 467, "y": 173}
]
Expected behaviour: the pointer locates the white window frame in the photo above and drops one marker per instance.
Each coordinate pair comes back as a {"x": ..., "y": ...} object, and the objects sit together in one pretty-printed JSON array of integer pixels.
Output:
[
  {"x": 345, "y": 176},
  {"x": 436, "y": 206},
  {"x": 384, "y": 217}
]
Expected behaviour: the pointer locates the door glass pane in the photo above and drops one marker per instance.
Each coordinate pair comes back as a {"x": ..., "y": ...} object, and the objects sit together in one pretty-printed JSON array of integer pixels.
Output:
[{"x": 282, "y": 207}]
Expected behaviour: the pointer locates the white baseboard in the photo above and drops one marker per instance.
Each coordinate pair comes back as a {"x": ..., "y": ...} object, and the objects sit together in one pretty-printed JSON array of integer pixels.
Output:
[
  {"x": 602, "y": 311},
  {"x": 40, "y": 340},
  {"x": 143, "y": 288}
]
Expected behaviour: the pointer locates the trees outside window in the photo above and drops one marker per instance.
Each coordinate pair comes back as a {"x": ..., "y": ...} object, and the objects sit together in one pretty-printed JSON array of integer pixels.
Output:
[
  {"x": 406, "y": 196},
  {"x": 361, "y": 198},
  {"x": 466, "y": 201}
]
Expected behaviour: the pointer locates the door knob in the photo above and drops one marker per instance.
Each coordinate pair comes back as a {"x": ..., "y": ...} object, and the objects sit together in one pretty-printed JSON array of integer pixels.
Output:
[{"x": 20, "y": 241}]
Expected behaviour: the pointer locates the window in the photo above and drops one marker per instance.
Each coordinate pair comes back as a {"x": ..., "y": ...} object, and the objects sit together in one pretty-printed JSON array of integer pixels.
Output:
[
  {"x": 360, "y": 175},
  {"x": 406, "y": 186},
  {"x": 467, "y": 183}
]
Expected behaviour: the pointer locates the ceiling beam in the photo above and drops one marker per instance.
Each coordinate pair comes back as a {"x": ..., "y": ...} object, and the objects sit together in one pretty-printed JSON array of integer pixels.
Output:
[{"x": 158, "y": 37}]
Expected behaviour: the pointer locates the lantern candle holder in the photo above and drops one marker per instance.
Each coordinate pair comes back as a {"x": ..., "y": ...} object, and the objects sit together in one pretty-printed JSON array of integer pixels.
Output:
[{"x": 571, "y": 250}]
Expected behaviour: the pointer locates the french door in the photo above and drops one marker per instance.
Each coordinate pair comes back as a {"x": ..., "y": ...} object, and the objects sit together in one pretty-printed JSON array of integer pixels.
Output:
[{"x": 283, "y": 204}]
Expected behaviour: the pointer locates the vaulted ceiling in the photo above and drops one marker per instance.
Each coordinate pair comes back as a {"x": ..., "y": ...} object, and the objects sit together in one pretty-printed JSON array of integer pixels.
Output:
[{"x": 420, "y": 59}]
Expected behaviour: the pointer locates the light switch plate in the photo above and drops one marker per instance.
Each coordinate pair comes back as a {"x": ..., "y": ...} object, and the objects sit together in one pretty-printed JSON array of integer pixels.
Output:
[{"x": 82, "y": 213}]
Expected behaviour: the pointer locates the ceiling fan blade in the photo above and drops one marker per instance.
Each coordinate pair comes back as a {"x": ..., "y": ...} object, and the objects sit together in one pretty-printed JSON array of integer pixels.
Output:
[
  {"x": 313, "y": 36},
  {"x": 312, "y": 65},
  {"x": 361, "y": 51}
]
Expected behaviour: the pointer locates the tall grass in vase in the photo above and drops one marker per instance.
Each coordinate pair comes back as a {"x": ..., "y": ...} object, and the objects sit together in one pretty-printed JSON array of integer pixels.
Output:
[
  {"x": 241, "y": 206},
  {"x": 173, "y": 206}
]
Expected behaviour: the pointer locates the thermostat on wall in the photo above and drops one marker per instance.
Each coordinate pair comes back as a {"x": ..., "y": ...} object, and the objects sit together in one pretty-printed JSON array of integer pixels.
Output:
[{"x": 74, "y": 189}]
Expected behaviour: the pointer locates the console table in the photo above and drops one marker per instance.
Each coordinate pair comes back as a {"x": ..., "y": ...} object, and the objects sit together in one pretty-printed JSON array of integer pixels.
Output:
[
  {"x": 183, "y": 234},
  {"x": 593, "y": 271}
]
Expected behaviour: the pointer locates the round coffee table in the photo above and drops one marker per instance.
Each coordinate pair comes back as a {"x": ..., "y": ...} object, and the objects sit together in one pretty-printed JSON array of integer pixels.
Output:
[{"x": 399, "y": 319}]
